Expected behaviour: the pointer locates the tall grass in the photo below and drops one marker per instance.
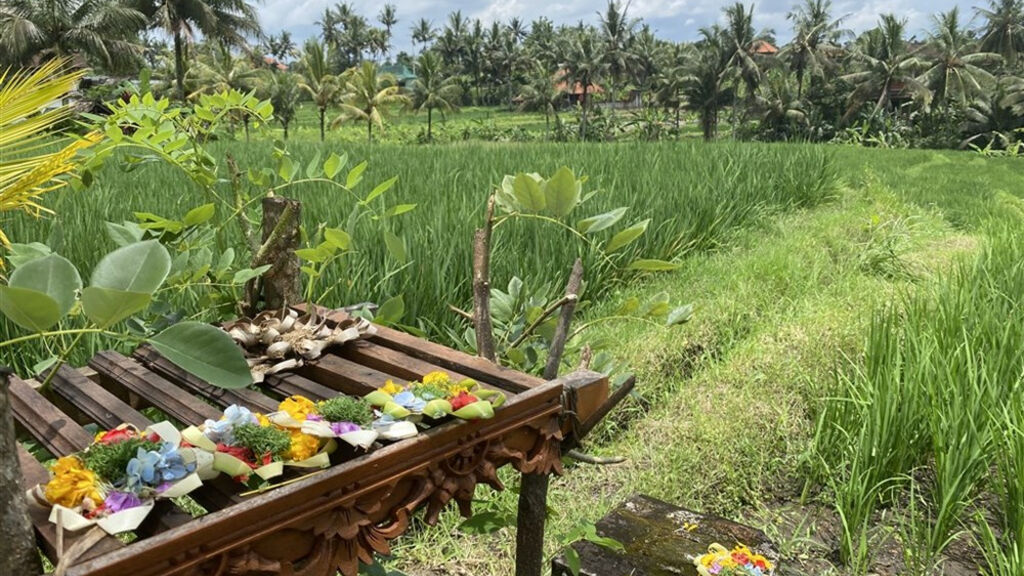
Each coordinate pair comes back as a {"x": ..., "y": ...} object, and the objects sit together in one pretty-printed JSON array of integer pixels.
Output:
[
  {"x": 918, "y": 407},
  {"x": 695, "y": 195}
]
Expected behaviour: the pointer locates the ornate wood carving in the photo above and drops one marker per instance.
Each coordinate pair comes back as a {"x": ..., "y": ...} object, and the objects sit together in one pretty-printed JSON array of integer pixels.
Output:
[{"x": 356, "y": 529}]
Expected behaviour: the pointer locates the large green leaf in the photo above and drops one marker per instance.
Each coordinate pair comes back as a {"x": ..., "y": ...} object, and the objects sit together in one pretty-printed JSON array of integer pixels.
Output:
[
  {"x": 652, "y": 265},
  {"x": 206, "y": 352},
  {"x": 601, "y": 222},
  {"x": 140, "y": 267},
  {"x": 390, "y": 311},
  {"x": 52, "y": 275},
  {"x": 395, "y": 246},
  {"x": 21, "y": 254},
  {"x": 627, "y": 236},
  {"x": 199, "y": 215},
  {"x": 562, "y": 193},
  {"x": 31, "y": 309},
  {"x": 528, "y": 193},
  {"x": 106, "y": 306}
]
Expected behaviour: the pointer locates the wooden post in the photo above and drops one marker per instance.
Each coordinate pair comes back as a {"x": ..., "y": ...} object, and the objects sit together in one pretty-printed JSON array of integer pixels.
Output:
[
  {"x": 282, "y": 284},
  {"x": 533, "y": 492},
  {"x": 17, "y": 541},
  {"x": 482, "y": 287}
]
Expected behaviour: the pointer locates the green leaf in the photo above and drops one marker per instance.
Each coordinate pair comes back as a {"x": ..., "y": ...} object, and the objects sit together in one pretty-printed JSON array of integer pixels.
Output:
[
  {"x": 311, "y": 254},
  {"x": 390, "y": 311},
  {"x": 333, "y": 165},
  {"x": 561, "y": 193},
  {"x": 528, "y": 193},
  {"x": 246, "y": 274},
  {"x": 596, "y": 224},
  {"x": 652, "y": 265},
  {"x": 338, "y": 238},
  {"x": 399, "y": 209},
  {"x": 628, "y": 235},
  {"x": 20, "y": 254},
  {"x": 199, "y": 215},
  {"x": 572, "y": 560},
  {"x": 485, "y": 523},
  {"x": 227, "y": 258},
  {"x": 628, "y": 306},
  {"x": 31, "y": 309},
  {"x": 656, "y": 306},
  {"x": 206, "y": 352},
  {"x": 355, "y": 175},
  {"x": 380, "y": 189},
  {"x": 606, "y": 542},
  {"x": 395, "y": 246},
  {"x": 140, "y": 267},
  {"x": 107, "y": 306},
  {"x": 680, "y": 315},
  {"x": 313, "y": 168},
  {"x": 52, "y": 275},
  {"x": 125, "y": 233},
  {"x": 286, "y": 169}
]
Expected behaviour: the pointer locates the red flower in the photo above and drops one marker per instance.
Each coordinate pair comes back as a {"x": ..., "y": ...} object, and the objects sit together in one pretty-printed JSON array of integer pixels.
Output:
[
  {"x": 760, "y": 564},
  {"x": 116, "y": 436},
  {"x": 741, "y": 558},
  {"x": 463, "y": 399},
  {"x": 242, "y": 453}
]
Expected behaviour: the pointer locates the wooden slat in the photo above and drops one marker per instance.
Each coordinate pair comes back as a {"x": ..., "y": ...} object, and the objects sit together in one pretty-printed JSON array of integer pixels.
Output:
[
  {"x": 95, "y": 401},
  {"x": 479, "y": 369},
  {"x": 292, "y": 384},
  {"x": 242, "y": 396},
  {"x": 344, "y": 375},
  {"x": 395, "y": 363},
  {"x": 54, "y": 429},
  {"x": 158, "y": 391}
]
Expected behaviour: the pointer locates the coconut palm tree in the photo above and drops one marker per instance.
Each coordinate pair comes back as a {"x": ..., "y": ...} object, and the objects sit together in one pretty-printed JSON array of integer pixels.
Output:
[
  {"x": 887, "y": 68},
  {"x": 431, "y": 90},
  {"x": 284, "y": 90},
  {"x": 1003, "y": 32},
  {"x": 669, "y": 80},
  {"x": 368, "y": 96},
  {"x": 617, "y": 30},
  {"x": 814, "y": 31},
  {"x": 319, "y": 83},
  {"x": 540, "y": 93},
  {"x": 991, "y": 119},
  {"x": 705, "y": 89},
  {"x": 782, "y": 112},
  {"x": 583, "y": 64},
  {"x": 218, "y": 70},
  {"x": 104, "y": 31},
  {"x": 956, "y": 70},
  {"x": 225, "y": 21},
  {"x": 388, "y": 17},
  {"x": 423, "y": 33},
  {"x": 740, "y": 37}
]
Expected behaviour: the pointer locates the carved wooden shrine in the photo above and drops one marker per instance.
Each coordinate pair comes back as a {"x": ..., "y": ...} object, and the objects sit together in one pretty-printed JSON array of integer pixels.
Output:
[{"x": 320, "y": 523}]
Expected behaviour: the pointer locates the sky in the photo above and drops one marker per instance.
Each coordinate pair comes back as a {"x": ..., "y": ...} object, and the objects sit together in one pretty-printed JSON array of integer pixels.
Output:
[{"x": 676, "y": 20}]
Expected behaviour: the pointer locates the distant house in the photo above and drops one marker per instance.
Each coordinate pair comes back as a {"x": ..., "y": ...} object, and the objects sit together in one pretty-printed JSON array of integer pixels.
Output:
[
  {"x": 764, "y": 48},
  {"x": 402, "y": 73},
  {"x": 271, "y": 62},
  {"x": 574, "y": 94}
]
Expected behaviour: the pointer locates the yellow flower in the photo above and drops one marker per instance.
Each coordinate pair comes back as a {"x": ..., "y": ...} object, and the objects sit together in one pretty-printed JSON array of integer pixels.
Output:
[
  {"x": 391, "y": 388},
  {"x": 303, "y": 446},
  {"x": 436, "y": 378},
  {"x": 72, "y": 483},
  {"x": 297, "y": 407},
  {"x": 263, "y": 420}
]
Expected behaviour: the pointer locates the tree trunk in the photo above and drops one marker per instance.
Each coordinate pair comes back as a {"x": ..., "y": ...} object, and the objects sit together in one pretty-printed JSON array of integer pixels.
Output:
[
  {"x": 323, "y": 112},
  {"x": 179, "y": 65},
  {"x": 430, "y": 124},
  {"x": 583, "y": 112},
  {"x": 282, "y": 284},
  {"x": 17, "y": 541},
  {"x": 245, "y": 122},
  {"x": 482, "y": 286},
  {"x": 533, "y": 504},
  {"x": 285, "y": 125},
  {"x": 799, "y": 83},
  {"x": 369, "y": 131}
]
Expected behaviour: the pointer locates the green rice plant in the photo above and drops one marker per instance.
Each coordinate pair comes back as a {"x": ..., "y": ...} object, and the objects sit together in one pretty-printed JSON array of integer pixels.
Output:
[{"x": 1004, "y": 553}]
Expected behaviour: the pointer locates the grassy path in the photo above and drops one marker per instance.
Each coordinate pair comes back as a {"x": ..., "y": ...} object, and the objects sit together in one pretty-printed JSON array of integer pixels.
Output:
[{"x": 727, "y": 401}]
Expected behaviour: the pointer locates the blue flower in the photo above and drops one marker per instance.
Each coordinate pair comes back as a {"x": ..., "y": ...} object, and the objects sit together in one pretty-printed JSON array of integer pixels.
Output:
[
  {"x": 222, "y": 430},
  {"x": 409, "y": 401},
  {"x": 150, "y": 469}
]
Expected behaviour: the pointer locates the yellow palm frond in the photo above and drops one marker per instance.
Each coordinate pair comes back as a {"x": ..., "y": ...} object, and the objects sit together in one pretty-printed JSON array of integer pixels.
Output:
[{"x": 29, "y": 166}]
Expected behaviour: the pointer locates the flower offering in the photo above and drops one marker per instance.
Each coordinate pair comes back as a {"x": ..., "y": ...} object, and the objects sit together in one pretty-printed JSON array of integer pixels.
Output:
[{"x": 739, "y": 561}]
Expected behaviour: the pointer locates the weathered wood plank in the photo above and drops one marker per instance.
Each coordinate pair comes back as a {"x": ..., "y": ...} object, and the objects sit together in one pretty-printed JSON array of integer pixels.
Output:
[
  {"x": 158, "y": 391},
  {"x": 55, "y": 430},
  {"x": 156, "y": 362},
  {"x": 397, "y": 364},
  {"x": 344, "y": 375},
  {"x": 291, "y": 384},
  {"x": 95, "y": 401}
]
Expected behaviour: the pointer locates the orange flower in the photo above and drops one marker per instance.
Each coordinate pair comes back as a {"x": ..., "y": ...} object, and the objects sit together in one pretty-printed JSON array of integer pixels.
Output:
[
  {"x": 72, "y": 484},
  {"x": 303, "y": 446},
  {"x": 297, "y": 407}
]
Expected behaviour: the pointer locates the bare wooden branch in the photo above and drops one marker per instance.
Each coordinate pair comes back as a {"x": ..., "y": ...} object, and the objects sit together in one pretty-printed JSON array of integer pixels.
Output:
[
  {"x": 461, "y": 312},
  {"x": 482, "y": 286},
  {"x": 588, "y": 459},
  {"x": 543, "y": 316},
  {"x": 282, "y": 284},
  {"x": 243, "y": 218},
  {"x": 586, "y": 356},
  {"x": 17, "y": 540},
  {"x": 572, "y": 288}
]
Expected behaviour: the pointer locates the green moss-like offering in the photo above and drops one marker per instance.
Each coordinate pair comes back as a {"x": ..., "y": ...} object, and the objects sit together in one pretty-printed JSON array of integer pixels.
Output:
[
  {"x": 262, "y": 439},
  {"x": 345, "y": 409},
  {"x": 110, "y": 461}
]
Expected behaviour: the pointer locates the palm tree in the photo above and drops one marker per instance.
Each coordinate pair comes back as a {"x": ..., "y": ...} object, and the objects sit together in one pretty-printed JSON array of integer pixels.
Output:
[
  {"x": 957, "y": 71},
  {"x": 517, "y": 29},
  {"x": 704, "y": 88},
  {"x": 283, "y": 89},
  {"x": 423, "y": 33},
  {"x": 669, "y": 80},
  {"x": 224, "y": 21},
  {"x": 1003, "y": 32},
  {"x": 617, "y": 31},
  {"x": 105, "y": 31},
  {"x": 540, "y": 93},
  {"x": 583, "y": 64},
  {"x": 781, "y": 109},
  {"x": 367, "y": 96},
  {"x": 319, "y": 83},
  {"x": 814, "y": 30},
  {"x": 431, "y": 90},
  {"x": 887, "y": 68},
  {"x": 991, "y": 119},
  {"x": 218, "y": 70},
  {"x": 388, "y": 18},
  {"x": 740, "y": 37},
  {"x": 281, "y": 46}
]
